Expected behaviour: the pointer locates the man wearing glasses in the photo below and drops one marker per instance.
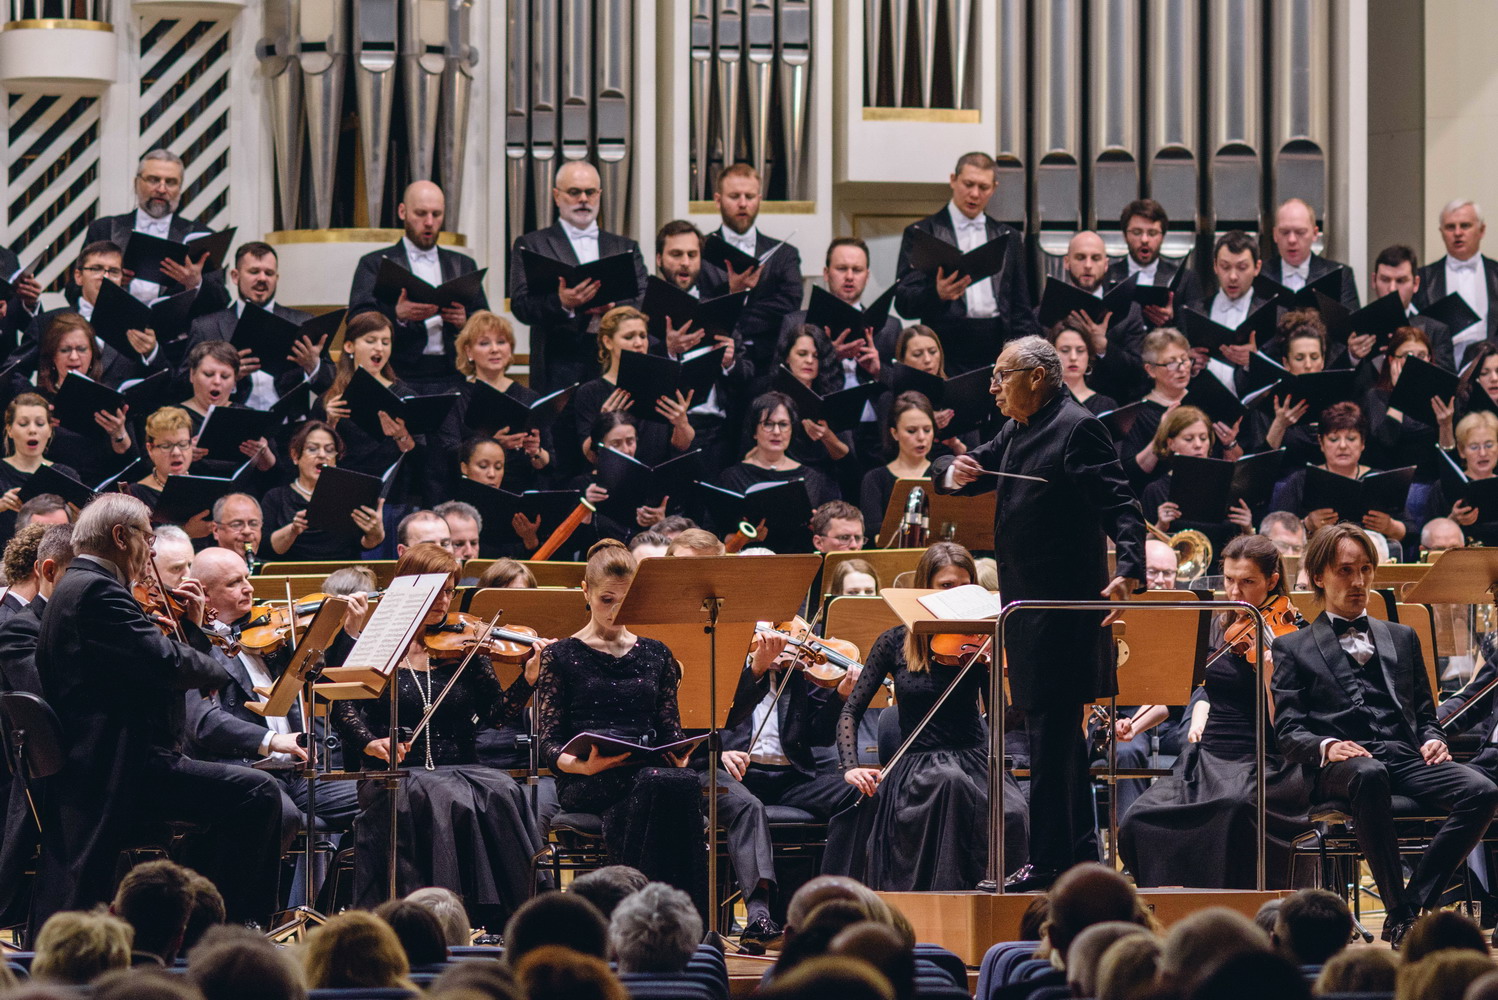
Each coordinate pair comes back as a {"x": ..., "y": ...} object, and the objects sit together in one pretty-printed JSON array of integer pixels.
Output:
[
  {"x": 1144, "y": 224},
  {"x": 563, "y": 319},
  {"x": 117, "y": 684},
  {"x": 158, "y": 195},
  {"x": 1050, "y": 537}
]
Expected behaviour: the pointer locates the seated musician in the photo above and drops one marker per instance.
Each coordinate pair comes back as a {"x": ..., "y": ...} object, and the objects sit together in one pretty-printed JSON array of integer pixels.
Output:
[
  {"x": 1353, "y": 706},
  {"x": 116, "y": 683}
]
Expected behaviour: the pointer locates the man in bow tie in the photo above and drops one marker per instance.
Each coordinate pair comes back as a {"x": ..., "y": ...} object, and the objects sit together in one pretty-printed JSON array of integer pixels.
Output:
[
  {"x": 1295, "y": 264},
  {"x": 1465, "y": 270},
  {"x": 1352, "y": 702}
]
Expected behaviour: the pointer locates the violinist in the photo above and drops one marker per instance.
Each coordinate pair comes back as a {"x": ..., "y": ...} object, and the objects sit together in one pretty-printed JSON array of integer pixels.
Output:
[
  {"x": 926, "y": 828},
  {"x": 474, "y": 831},
  {"x": 116, "y": 683},
  {"x": 222, "y": 729},
  {"x": 1198, "y": 826}
]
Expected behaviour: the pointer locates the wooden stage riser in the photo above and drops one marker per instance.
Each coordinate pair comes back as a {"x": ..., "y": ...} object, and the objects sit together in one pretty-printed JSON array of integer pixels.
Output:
[{"x": 968, "y": 923}]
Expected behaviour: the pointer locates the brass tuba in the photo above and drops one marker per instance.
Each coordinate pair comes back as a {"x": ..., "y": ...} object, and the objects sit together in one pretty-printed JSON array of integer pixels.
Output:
[{"x": 1193, "y": 552}]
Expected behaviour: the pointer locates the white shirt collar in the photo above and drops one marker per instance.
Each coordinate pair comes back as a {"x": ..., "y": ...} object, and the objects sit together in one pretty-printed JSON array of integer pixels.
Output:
[
  {"x": 1470, "y": 264},
  {"x": 239, "y": 305},
  {"x": 1143, "y": 271},
  {"x": 961, "y": 222},
  {"x": 156, "y": 227},
  {"x": 415, "y": 253},
  {"x": 108, "y": 564},
  {"x": 747, "y": 241},
  {"x": 574, "y": 234},
  {"x": 1303, "y": 270}
]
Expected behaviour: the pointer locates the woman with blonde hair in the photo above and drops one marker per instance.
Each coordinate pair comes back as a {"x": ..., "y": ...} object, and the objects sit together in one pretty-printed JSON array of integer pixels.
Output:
[
  {"x": 68, "y": 345},
  {"x": 169, "y": 446},
  {"x": 356, "y": 950},
  {"x": 622, "y": 330},
  {"x": 28, "y": 434}
]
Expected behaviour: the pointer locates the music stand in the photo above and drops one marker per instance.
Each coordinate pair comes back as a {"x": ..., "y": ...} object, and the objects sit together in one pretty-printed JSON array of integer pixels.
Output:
[
  {"x": 1460, "y": 576},
  {"x": 684, "y": 602},
  {"x": 967, "y": 520}
]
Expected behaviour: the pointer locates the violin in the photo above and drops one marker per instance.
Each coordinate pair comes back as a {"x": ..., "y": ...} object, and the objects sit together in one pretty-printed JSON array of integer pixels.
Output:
[
  {"x": 457, "y": 633},
  {"x": 165, "y": 611},
  {"x": 825, "y": 661},
  {"x": 954, "y": 650},
  {"x": 1280, "y": 617}
]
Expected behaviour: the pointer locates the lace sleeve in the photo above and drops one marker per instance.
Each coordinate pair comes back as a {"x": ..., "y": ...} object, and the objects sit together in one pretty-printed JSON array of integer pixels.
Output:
[
  {"x": 667, "y": 711},
  {"x": 551, "y": 694},
  {"x": 881, "y": 662},
  {"x": 498, "y": 705},
  {"x": 349, "y": 722}
]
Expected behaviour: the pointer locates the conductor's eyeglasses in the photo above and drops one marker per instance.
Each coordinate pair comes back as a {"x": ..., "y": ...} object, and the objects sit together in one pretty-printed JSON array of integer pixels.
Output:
[{"x": 1003, "y": 373}]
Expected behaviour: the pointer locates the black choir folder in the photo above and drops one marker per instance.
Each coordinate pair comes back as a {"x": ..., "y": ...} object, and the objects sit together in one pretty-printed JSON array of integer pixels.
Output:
[
  {"x": 499, "y": 507},
  {"x": 80, "y": 397},
  {"x": 784, "y": 507},
  {"x": 1318, "y": 389},
  {"x": 392, "y": 279},
  {"x": 631, "y": 483},
  {"x": 966, "y": 395},
  {"x": 1458, "y": 486},
  {"x": 269, "y": 338},
  {"x": 615, "y": 274},
  {"x": 367, "y": 396},
  {"x": 1453, "y": 311},
  {"x": 932, "y": 253},
  {"x": 144, "y": 253},
  {"x": 48, "y": 479},
  {"x": 491, "y": 411},
  {"x": 1204, "y": 332},
  {"x": 648, "y": 377},
  {"x": 340, "y": 492},
  {"x": 225, "y": 428},
  {"x": 1419, "y": 383},
  {"x": 842, "y": 410},
  {"x": 117, "y": 311},
  {"x": 1329, "y": 284},
  {"x": 582, "y": 745},
  {"x": 835, "y": 316},
  {"x": 185, "y": 497},
  {"x": 1205, "y": 488},
  {"x": 1061, "y": 298},
  {"x": 714, "y": 317},
  {"x": 720, "y": 253},
  {"x": 1207, "y": 393},
  {"x": 1352, "y": 498},
  {"x": 1380, "y": 318}
]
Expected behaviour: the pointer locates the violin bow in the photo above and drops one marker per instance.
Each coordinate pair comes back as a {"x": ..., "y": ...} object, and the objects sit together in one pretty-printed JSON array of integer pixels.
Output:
[
  {"x": 472, "y": 651},
  {"x": 785, "y": 678},
  {"x": 884, "y": 767}
]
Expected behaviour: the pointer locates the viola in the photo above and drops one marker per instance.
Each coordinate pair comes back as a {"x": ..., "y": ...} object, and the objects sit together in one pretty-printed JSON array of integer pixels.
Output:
[
  {"x": 166, "y": 610},
  {"x": 826, "y": 661},
  {"x": 457, "y": 633},
  {"x": 954, "y": 650},
  {"x": 1280, "y": 618}
]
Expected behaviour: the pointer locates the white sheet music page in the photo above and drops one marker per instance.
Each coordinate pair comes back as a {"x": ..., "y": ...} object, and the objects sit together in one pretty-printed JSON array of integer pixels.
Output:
[
  {"x": 396, "y": 618},
  {"x": 965, "y": 602}
]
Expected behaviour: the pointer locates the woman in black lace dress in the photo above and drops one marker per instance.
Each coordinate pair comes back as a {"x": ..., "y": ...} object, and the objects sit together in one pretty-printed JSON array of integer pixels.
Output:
[
  {"x": 605, "y": 679},
  {"x": 462, "y": 825},
  {"x": 927, "y": 827}
]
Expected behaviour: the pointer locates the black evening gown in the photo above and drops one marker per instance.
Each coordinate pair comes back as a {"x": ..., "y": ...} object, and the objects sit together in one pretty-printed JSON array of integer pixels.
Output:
[
  {"x": 1198, "y": 826},
  {"x": 462, "y": 825},
  {"x": 652, "y": 816},
  {"x": 279, "y": 507},
  {"x": 13, "y": 478},
  {"x": 927, "y": 826}
]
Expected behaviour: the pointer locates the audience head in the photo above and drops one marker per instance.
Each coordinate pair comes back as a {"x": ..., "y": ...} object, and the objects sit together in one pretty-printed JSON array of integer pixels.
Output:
[
  {"x": 1359, "y": 970},
  {"x": 1484, "y": 987},
  {"x": 1267, "y": 915},
  {"x": 1441, "y": 975},
  {"x": 1032, "y": 922},
  {"x": 477, "y": 981},
  {"x": 825, "y": 976},
  {"x": 206, "y": 912},
  {"x": 694, "y": 542},
  {"x": 235, "y": 963},
  {"x": 654, "y": 930},
  {"x": 814, "y": 936},
  {"x": 1252, "y": 975},
  {"x": 837, "y": 526},
  {"x": 75, "y": 947},
  {"x": 447, "y": 906},
  {"x": 883, "y": 948},
  {"x": 608, "y": 886},
  {"x": 355, "y": 948},
  {"x": 559, "y": 973},
  {"x": 559, "y": 918},
  {"x": 1087, "y": 950},
  {"x": 1129, "y": 969},
  {"x": 1197, "y": 944},
  {"x": 420, "y": 933},
  {"x": 1312, "y": 926},
  {"x": 1440, "y": 930},
  {"x": 155, "y": 899},
  {"x": 144, "y": 983},
  {"x": 1084, "y": 895}
]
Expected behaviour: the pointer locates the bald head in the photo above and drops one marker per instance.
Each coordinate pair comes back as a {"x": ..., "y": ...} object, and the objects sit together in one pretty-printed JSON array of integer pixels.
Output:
[
  {"x": 816, "y": 892},
  {"x": 422, "y": 210},
  {"x": 1294, "y": 231},
  {"x": 577, "y": 192},
  {"x": 1087, "y": 260},
  {"x": 213, "y": 565},
  {"x": 226, "y": 582},
  {"x": 1085, "y": 895}
]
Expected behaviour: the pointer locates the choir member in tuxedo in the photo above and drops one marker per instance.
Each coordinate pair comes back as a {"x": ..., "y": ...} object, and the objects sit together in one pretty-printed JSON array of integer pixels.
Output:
[
  {"x": 1115, "y": 340},
  {"x": 1187, "y": 431},
  {"x": 1477, "y": 450},
  {"x": 909, "y": 428},
  {"x": 117, "y": 683},
  {"x": 920, "y": 348},
  {"x": 563, "y": 321},
  {"x": 1397, "y": 269},
  {"x": 1478, "y": 389},
  {"x": 1397, "y": 438},
  {"x": 1058, "y": 662},
  {"x": 158, "y": 195},
  {"x": 97, "y": 263},
  {"x": 605, "y": 679},
  {"x": 28, "y": 437},
  {"x": 1167, "y": 360},
  {"x": 485, "y": 350},
  {"x": 254, "y": 278},
  {"x": 1341, "y": 434},
  {"x": 1465, "y": 270},
  {"x": 625, "y": 328},
  {"x": 772, "y": 421},
  {"x": 927, "y": 829},
  {"x": 423, "y": 334},
  {"x": 69, "y": 345},
  {"x": 1144, "y": 222},
  {"x": 775, "y": 286},
  {"x": 313, "y": 446},
  {"x": 1303, "y": 337},
  {"x": 168, "y": 434},
  {"x": 1354, "y": 708},
  {"x": 678, "y": 259},
  {"x": 768, "y": 760},
  {"x": 973, "y": 319},
  {"x": 212, "y": 367},
  {"x": 1199, "y": 825},
  {"x": 1296, "y": 265},
  {"x": 1077, "y": 362},
  {"x": 1235, "y": 264}
]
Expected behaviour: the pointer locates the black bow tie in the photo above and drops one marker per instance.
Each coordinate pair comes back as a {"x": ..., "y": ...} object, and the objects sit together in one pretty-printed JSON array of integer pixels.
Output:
[{"x": 1341, "y": 625}]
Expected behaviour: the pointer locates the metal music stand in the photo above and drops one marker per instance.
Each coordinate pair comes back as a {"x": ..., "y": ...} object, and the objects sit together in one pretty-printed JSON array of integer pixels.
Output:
[
  {"x": 684, "y": 602},
  {"x": 967, "y": 520}
]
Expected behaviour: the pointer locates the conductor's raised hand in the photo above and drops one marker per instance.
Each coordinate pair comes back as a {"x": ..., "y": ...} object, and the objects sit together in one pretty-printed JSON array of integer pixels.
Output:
[
  {"x": 1119, "y": 588},
  {"x": 865, "y": 779},
  {"x": 965, "y": 470}
]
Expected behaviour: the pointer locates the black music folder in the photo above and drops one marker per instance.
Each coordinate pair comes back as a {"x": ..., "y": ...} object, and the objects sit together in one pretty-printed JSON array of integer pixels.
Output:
[
  {"x": 1202, "y": 331},
  {"x": 225, "y": 428},
  {"x": 269, "y": 338},
  {"x": 1061, "y": 298},
  {"x": 337, "y": 496},
  {"x": 79, "y": 398},
  {"x": 631, "y": 483},
  {"x": 1318, "y": 389},
  {"x": 1380, "y": 318},
  {"x": 491, "y": 411},
  {"x": 1458, "y": 486},
  {"x": 1329, "y": 284},
  {"x": 929, "y": 253},
  {"x": 48, "y": 479},
  {"x": 117, "y": 311},
  {"x": 1419, "y": 383},
  {"x": 1352, "y": 498},
  {"x": 1120, "y": 422},
  {"x": 1207, "y": 393},
  {"x": 714, "y": 317},
  {"x": 785, "y": 508},
  {"x": 1159, "y": 295},
  {"x": 720, "y": 253},
  {"x": 185, "y": 497},
  {"x": 466, "y": 289},
  {"x": 966, "y": 395},
  {"x": 145, "y": 253},
  {"x": 615, "y": 274},
  {"x": 366, "y": 396},
  {"x": 1453, "y": 311},
  {"x": 1205, "y": 488},
  {"x": 835, "y": 316},
  {"x": 842, "y": 410},
  {"x": 499, "y": 507},
  {"x": 648, "y": 377}
]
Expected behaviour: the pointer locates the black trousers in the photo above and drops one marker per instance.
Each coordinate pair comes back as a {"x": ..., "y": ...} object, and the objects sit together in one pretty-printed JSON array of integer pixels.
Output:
[
  {"x": 1367, "y": 783},
  {"x": 741, "y": 812},
  {"x": 1060, "y": 820}
]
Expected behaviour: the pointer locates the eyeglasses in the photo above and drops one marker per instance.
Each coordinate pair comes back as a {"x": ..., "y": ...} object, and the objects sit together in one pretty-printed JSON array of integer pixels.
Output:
[
  {"x": 175, "y": 448},
  {"x": 1003, "y": 373},
  {"x": 577, "y": 194},
  {"x": 1159, "y": 576},
  {"x": 776, "y": 426},
  {"x": 151, "y": 180},
  {"x": 79, "y": 349},
  {"x": 848, "y": 539},
  {"x": 150, "y": 535},
  {"x": 1174, "y": 366},
  {"x": 242, "y": 525},
  {"x": 108, "y": 272},
  {"x": 1480, "y": 446}
]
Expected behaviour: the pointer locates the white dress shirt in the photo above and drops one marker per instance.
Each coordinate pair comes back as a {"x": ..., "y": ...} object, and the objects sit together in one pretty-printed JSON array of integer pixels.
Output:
[
  {"x": 1146, "y": 274},
  {"x": 767, "y": 749},
  {"x": 1294, "y": 278},
  {"x": 148, "y": 291},
  {"x": 584, "y": 241},
  {"x": 972, "y": 234},
  {"x": 1229, "y": 313},
  {"x": 747, "y": 241},
  {"x": 274, "y": 724},
  {"x": 711, "y": 406},
  {"x": 1469, "y": 279},
  {"x": 262, "y": 386},
  {"x": 426, "y": 266}
]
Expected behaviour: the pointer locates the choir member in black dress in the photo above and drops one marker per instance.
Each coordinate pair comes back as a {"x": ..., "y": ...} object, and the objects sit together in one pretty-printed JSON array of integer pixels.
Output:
[
  {"x": 772, "y": 417},
  {"x": 622, "y": 329},
  {"x": 28, "y": 433},
  {"x": 486, "y": 461},
  {"x": 366, "y": 344},
  {"x": 920, "y": 348},
  {"x": 620, "y": 431},
  {"x": 462, "y": 825},
  {"x": 169, "y": 447},
  {"x": 909, "y": 428},
  {"x": 1187, "y": 431},
  {"x": 1478, "y": 389},
  {"x": 1168, "y": 361},
  {"x": 313, "y": 446},
  {"x": 1199, "y": 826},
  {"x": 808, "y": 354},
  {"x": 1304, "y": 338},
  {"x": 1078, "y": 359},
  {"x": 605, "y": 679},
  {"x": 68, "y": 345},
  {"x": 485, "y": 351},
  {"x": 926, "y": 828},
  {"x": 212, "y": 368},
  {"x": 1397, "y": 439},
  {"x": 1341, "y": 440},
  {"x": 1477, "y": 448}
]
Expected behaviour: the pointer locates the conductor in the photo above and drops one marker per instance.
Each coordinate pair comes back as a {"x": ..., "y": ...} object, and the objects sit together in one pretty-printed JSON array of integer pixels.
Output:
[{"x": 1057, "y": 662}]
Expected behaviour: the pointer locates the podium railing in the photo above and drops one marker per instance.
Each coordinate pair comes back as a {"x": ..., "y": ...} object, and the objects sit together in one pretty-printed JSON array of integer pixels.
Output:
[{"x": 996, "y": 706}]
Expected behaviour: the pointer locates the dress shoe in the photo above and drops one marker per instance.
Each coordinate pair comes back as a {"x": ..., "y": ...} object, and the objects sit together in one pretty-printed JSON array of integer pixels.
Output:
[
  {"x": 1395, "y": 929},
  {"x": 760, "y": 935},
  {"x": 1030, "y": 879}
]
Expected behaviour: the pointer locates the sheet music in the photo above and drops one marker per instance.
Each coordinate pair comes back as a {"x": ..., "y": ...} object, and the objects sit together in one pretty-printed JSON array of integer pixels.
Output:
[
  {"x": 391, "y": 628},
  {"x": 966, "y": 602}
]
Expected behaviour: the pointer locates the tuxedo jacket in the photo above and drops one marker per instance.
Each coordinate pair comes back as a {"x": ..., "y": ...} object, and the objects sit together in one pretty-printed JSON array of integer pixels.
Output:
[
  {"x": 555, "y": 336},
  {"x": 213, "y": 293},
  {"x": 410, "y": 339},
  {"x": 1190, "y": 288},
  {"x": 18, "y": 634},
  {"x": 1316, "y": 695},
  {"x": 220, "y": 728},
  {"x": 1318, "y": 267},
  {"x": 1433, "y": 287},
  {"x": 807, "y": 715},
  {"x": 777, "y": 293}
]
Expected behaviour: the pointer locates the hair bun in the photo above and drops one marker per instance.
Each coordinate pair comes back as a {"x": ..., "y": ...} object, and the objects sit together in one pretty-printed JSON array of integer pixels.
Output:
[{"x": 606, "y": 543}]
